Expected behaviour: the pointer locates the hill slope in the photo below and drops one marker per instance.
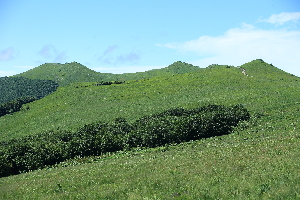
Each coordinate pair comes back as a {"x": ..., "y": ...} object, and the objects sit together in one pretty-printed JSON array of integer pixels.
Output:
[
  {"x": 65, "y": 74},
  {"x": 80, "y": 103},
  {"x": 258, "y": 161}
]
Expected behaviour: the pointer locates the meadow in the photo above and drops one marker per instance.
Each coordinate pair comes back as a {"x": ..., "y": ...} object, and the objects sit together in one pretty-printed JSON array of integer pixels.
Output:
[{"x": 259, "y": 160}]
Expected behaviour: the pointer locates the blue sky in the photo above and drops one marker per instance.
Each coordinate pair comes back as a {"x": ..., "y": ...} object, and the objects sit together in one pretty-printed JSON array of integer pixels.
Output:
[{"x": 121, "y": 36}]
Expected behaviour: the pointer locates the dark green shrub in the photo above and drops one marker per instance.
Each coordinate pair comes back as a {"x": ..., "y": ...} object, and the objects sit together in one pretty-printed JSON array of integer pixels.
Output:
[
  {"x": 171, "y": 126},
  {"x": 154, "y": 132},
  {"x": 179, "y": 125},
  {"x": 15, "y": 105}
]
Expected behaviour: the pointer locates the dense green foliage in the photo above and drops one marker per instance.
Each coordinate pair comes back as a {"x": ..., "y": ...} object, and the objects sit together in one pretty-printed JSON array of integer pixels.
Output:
[
  {"x": 169, "y": 127},
  {"x": 12, "y": 88},
  {"x": 15, "y": 105},
  {"x": 65, "y": 74},
  {"x": 180, "y": 125}
]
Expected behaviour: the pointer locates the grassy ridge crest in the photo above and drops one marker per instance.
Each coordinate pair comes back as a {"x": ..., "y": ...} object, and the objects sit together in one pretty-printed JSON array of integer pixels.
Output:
[{"x": 67, "y": 73}]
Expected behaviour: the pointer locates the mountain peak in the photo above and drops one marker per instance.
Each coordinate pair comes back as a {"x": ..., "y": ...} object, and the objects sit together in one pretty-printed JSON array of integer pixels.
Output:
[
  {"x": 260, "y": 68},
  {"x": 63, "y": 73}
]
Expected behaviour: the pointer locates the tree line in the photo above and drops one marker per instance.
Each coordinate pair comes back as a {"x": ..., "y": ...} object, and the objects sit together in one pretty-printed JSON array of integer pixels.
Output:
[{"x": 15, "y": 91}]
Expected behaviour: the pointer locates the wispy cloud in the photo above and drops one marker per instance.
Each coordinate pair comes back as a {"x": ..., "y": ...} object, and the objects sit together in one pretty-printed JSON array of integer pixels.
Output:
[
  {"x": 51, "y": 54},
  {"x": 110, "y": 57},
  {"x": 240, "y": 45},
  {"x": 6, "y": 54},
  {"x": 282, "y": 18},
  {"x": 128, "y": 58},
  {"x": 106, "y": 56},
  {"x": 60, "y": 57},
  {"x": 47, "y": 51},
  {"x": 109, "y": 49}
]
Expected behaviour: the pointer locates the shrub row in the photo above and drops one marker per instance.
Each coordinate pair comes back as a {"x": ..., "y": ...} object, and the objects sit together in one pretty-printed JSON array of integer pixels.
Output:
[
  {"x": 171, "y": 126},
  {"x": 109, "y": 83}
]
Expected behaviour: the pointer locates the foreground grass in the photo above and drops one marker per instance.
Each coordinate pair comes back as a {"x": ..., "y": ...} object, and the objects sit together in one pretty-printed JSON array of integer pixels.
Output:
[
  {"x": 260, "y": 160},
  {"x": 255, "y": 163}
]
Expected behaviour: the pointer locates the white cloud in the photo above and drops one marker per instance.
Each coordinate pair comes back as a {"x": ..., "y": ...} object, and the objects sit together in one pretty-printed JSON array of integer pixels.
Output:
[
  {"x": 282, "y": 18},
  {"x": 127, "y": 69},
  {"x": 240, "y": 45},
  {"x": 7, "y": 73}
]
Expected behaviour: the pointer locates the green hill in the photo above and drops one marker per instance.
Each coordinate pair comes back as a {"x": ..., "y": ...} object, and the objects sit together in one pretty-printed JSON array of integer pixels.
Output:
[
  {"x": 65, "y": 74},
  {"x": 259, "y": 160}
]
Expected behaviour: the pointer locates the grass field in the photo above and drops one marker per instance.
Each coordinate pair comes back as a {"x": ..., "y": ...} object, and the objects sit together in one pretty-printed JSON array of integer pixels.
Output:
[{"x": 260, "y": 160}]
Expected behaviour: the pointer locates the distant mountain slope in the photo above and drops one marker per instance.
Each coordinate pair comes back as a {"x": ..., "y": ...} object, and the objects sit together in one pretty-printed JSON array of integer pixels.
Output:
[
  {"x": 12, "y": 88},
  {"x": 260, "y": 68},
  {"x": 175, "y": 68},
  {"x": 65, "y": 74}
]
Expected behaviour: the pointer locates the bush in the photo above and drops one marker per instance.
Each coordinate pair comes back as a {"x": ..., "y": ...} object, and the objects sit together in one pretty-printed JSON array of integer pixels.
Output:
[
  {"x": 180, "y": 125},
  {"x": 15, "y": 105},
  {"x": 171, "y": 126}
]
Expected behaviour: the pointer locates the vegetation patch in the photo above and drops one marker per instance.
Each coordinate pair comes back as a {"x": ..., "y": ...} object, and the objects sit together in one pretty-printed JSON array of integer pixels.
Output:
[
  {"x": 169, "y": 127},
  {"x": 15, "y": 105},
  {"x": 12, "y": 88}
]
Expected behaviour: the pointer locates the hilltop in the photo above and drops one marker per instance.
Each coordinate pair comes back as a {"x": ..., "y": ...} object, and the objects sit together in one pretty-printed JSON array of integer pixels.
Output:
[
  {"x": 63, "y": 74},
  {"x": 67, "y": 73}
]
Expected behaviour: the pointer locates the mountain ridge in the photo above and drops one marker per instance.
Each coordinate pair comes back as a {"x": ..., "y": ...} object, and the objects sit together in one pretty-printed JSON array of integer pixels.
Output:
[{"x": 67, "y": 73}]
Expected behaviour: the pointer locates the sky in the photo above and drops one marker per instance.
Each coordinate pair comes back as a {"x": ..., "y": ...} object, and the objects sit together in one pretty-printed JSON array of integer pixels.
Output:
[{"x": 124, "y": 36}]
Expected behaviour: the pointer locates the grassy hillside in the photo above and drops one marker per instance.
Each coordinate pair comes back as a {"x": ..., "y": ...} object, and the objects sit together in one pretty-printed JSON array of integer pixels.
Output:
[
  {"x": 65, "y": 74},
  {"x": 258, "y": 161},
  {"x": 81, "y": 103},
  {"x": 261, "y": 164}
]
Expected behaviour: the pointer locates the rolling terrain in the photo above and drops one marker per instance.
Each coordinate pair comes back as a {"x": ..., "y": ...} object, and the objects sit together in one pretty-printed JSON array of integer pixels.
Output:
[
  {"x": 259, "y": 160},
  {"x": 67, "y": 73}
]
